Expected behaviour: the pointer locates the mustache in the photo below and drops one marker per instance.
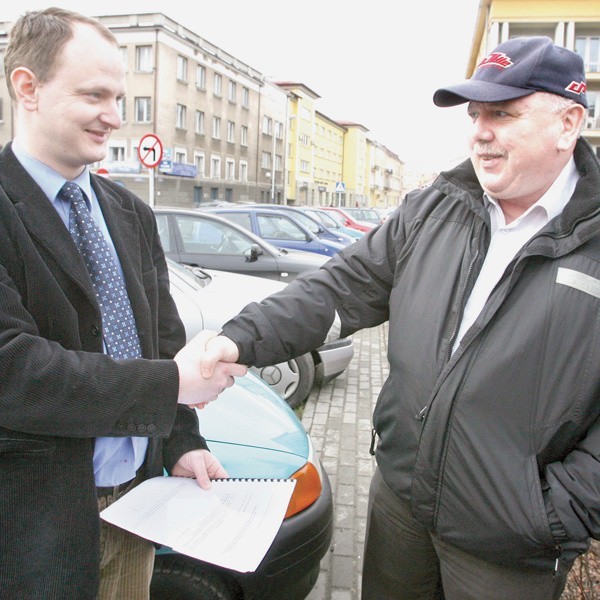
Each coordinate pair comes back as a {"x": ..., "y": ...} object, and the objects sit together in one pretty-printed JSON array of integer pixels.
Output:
[{"x": 487, "y": 150}]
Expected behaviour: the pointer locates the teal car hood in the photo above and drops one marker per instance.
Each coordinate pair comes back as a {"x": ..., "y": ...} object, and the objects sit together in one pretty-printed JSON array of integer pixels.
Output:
[{"x": 253, "y": 432}]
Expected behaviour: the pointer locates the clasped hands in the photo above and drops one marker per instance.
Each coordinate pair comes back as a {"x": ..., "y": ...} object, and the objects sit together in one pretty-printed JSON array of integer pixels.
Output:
[{"x": 207, "y": 366}]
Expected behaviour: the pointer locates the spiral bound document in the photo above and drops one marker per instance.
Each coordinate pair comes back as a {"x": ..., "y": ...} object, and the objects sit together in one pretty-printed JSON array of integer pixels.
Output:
[{"x": 231, "y": 525}]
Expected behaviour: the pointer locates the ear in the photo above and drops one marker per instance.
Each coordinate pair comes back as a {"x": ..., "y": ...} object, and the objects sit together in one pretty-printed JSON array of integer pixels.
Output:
[
  {"x": 25, "y": 86},
  {"x": 571, "y": 125}
]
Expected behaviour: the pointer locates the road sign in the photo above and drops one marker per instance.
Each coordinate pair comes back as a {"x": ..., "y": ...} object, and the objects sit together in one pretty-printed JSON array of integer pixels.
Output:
[
  {"x": 340, "y": 187},
  {"x": 150, "y": 150}
]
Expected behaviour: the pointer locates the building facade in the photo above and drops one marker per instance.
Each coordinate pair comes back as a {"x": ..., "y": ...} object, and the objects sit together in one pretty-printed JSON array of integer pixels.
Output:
[{"x": 227, "y": 133}]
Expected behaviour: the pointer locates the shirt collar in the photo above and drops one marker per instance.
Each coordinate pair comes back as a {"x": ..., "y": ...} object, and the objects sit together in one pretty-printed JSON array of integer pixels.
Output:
[
  {"x": 556, "y": 197},
  {"x": 48, "y": 179}
]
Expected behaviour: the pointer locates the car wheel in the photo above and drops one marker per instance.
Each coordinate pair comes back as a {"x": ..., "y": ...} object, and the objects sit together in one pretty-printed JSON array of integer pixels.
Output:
[
  {"x": 176, "y": 578},
  {"x": 292, "y": 380}
]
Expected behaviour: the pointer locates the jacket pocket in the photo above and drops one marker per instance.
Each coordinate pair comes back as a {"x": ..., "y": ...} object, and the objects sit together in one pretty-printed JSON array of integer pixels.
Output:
[{"x": 15, "y": 448}]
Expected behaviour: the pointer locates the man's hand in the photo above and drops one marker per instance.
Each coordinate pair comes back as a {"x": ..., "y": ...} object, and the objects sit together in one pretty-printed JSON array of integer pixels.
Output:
[
  {"x": 196, "y": 388},
  {"x": 218, "y": 349},
  {"x": 200, "y": 464}
]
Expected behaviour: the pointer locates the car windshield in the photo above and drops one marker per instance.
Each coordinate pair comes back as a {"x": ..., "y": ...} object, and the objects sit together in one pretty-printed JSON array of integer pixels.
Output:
[
  {"x": 327, "y": 220},
  {"x": 307, "y": 222},
  {"x": 336, "y": 217}
]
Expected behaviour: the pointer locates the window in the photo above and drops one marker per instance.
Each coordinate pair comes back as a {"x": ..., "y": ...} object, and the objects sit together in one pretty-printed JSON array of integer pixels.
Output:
[
  {"x": 279, "y": 228},
  {"x": 200, "y": 122},
  {"x": 304, "y": 166},
  {"x": 589, "y": 48},
  {"x": 143, "y": 58},
  {"x": 304, "y": 140},
  {"x": 200, "y": 236},
  {"x": 124, "y": 53},
  {"x": 116, "y": 153},
  {"x": 215, "y": 167},
  {"x": 279, "y": 130},
  {"x": 180, "y": 155},
  {"x": 593, "y": 111},
  {"x": 245, "y": 97},
  {"x": 243, "y": 170},
  {"x": 182, "y": 68},
  {"x": 244, "y": 135},
  {"x": 181, "y": 116},
  {"x": 121, "y": 104},
  {"x": 162, "y": 221},
  {"x": 200, "y": 162},
  {"x": 267, "y": 125},
  {"x": 218, "y": 85},
  {"x": 278, "y": 162},
  {"x": 232, "y": 92},
  {"x": 230, "y": 131},
  {"x": 230, "y": 169},
  {"x": 266, "y": 160},
  {"x": 201, "y": 77},
  {"x": 216, "y": 132},
  {"x": 143, "y": 110}
]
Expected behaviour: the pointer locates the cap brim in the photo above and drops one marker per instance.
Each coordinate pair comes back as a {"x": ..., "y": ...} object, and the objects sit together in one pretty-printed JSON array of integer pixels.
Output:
[{"x": 477, "y": 91}]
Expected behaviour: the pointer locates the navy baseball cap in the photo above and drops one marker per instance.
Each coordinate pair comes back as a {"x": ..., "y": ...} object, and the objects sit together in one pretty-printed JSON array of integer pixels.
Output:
[{"x": 517, "y": 68}]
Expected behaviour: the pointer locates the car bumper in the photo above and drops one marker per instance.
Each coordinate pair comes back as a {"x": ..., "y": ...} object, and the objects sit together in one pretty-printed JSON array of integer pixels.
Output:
[
  {"x": 291, "y": 566},
  {"x": 333, "y": 358}
]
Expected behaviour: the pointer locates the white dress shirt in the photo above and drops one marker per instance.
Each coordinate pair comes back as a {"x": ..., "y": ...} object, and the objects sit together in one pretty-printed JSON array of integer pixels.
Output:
[{"x": 508, "y": 239}]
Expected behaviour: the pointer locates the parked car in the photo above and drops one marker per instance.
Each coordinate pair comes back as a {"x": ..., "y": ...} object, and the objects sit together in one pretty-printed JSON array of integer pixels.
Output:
[
  {"x": 201, "y": 239},
  {"x": 332, "y": 215},
  {"x": 349, "y": 220},
  {"x": 254, "y": 433},
  {"x": 332, "y": 221},
  {"x": 206, "y": 299},
  {"x": 315, "y": 225},
  {"x": 277, "y": 228},
  {"x": 367, "y": 215}
]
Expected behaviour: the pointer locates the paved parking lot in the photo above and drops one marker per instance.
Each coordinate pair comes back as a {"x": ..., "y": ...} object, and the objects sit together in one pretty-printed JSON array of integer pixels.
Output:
[{"x": 338, "y": 418}]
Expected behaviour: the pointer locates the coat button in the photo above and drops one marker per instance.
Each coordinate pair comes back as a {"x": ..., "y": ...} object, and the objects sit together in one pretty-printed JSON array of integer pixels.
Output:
[
  {"x": 141, "y": 429},
  {"x": 95, "y": 331},
  {"x": 151, "y": 428}
]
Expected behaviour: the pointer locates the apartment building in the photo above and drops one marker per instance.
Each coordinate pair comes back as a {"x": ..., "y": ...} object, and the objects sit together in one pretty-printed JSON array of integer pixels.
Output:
[
  {"x": 226, "y": 131},
  {"x": 573, "y": 24}
]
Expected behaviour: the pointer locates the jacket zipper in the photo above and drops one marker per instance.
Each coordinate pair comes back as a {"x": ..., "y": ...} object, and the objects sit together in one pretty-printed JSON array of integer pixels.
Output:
[{"x": 420, "y": 416}]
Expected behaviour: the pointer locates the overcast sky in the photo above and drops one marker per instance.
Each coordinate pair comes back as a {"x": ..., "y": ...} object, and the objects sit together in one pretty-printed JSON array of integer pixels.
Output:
[{"x": 374, "y": 62}]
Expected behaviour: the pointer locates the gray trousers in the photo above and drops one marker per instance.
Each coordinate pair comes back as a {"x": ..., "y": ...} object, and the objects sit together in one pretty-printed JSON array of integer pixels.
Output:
[{"x": 403, "y": 561}]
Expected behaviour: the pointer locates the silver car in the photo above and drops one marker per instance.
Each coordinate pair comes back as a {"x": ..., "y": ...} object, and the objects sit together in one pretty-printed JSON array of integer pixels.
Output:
[{"x": 206, "y": 299}]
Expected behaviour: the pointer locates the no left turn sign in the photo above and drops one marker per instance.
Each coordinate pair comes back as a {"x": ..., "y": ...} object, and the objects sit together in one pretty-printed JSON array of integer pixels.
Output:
[{"x": 150, "y": 150}]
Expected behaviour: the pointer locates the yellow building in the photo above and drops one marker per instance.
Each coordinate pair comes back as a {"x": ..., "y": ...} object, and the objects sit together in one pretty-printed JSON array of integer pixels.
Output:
[
  {"x": 329, "y": 158},
  {"x": 573, "y": 24}
]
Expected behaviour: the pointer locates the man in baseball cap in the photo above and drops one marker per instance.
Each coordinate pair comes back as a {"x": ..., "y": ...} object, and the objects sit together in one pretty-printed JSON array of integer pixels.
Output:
[{"x": 487, "y": 430}]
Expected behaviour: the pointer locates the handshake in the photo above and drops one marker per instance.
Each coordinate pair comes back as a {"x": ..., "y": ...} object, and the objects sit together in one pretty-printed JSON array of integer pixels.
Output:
[{"x": 207, "y": 366}]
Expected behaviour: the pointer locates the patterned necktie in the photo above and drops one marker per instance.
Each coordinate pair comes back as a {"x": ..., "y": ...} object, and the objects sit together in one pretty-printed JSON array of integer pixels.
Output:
[{"x": 118, "y": 323}]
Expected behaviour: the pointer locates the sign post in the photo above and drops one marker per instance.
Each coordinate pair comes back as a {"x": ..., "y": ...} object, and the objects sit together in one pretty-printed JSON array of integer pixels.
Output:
[
  {"x": 150, "y": 153},
  {"x": 340, "y": 188}
]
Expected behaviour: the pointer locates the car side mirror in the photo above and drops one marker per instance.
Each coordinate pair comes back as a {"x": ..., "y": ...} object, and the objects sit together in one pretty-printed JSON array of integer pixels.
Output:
[{"x": 253, "y": 253}]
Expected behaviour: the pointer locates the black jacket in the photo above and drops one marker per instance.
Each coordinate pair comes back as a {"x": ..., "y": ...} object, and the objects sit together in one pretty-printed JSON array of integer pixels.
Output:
[
  {"x": 58, "y": 391},
  {"x": 497, "y": 446}
]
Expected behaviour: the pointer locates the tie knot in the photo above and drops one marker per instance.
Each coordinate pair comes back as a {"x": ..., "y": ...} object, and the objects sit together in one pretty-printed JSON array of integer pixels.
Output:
[{"x": 71, "y": 192}]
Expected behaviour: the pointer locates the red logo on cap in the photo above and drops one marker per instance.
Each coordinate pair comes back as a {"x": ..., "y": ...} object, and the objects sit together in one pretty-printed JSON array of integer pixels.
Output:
[
  {"x": 577, "y": 87},
  {"x": 496, "y": 59}
]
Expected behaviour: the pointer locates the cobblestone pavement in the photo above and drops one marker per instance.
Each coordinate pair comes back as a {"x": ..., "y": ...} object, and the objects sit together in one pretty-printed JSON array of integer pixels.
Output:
[{"x": 338, "y": 418}]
